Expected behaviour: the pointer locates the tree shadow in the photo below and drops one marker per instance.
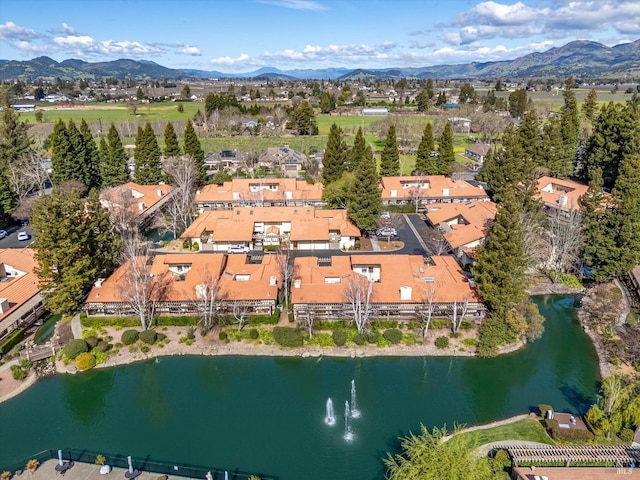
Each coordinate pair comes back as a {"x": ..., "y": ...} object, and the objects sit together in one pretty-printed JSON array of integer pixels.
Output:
[{"x": 576, "y": 398}]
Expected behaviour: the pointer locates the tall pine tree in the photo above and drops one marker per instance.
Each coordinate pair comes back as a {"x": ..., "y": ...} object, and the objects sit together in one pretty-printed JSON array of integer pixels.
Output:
[
  {"x": 171, "y": 145},
  {"x": 365, "y": 203},
  {"x": 426, "y": 160},
  {"x": 446, "y": 155},
  {"x": 357, "y": 152},
  {"x": 92, "y": 157},
  {"x": 626, "y": 225},
  {"x": 193, "y": 148},
  {"x": 114, "y": 170},
  {"x": 61, "y": 153},
  {"x": 390, "y": 157},
  {"x": 335, "y": 156},
  {"x": 148, "y": 169}
]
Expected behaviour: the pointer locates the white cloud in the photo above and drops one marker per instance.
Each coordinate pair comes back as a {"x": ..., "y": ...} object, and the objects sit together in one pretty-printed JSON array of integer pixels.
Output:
[
  {"x": 230, "y": 61},
  {"x": 294, "y": 4},
  {"x": 11, "y": 31},
  {"x": 497, "y": 14},
  {"x": 69, "y": 30},
  {"x": 194, "y": 51}
]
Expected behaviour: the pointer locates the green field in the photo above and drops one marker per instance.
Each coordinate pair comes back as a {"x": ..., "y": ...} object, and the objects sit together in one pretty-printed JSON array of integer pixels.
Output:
[{"x": 529, "y": 429}]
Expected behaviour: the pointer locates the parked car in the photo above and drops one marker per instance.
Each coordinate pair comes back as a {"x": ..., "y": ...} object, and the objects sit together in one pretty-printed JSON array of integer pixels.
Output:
[
  {"x": 238, "y": 249},
  {"x": 23, "y": 236},
  {"x": 3, "y": 233},
  {"x": 386, "y": 232}
]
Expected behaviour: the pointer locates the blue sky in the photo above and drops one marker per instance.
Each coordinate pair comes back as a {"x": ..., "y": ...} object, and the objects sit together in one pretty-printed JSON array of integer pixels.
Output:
[{"x": 243, "y": 35}]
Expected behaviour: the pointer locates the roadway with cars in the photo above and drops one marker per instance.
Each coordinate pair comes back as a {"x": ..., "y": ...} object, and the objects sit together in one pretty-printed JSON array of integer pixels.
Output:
[{"x": 11, "y": 240}]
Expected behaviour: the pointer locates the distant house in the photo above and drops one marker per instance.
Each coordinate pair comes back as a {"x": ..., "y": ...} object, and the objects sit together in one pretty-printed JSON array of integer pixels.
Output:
[
  {"x": 375, "y": 112},
  {"x": 20, "y": 298},
  {"x": 558, "y": 194},
  {"x": 428, "y": 189},
  {"x": 296, "y": 228},
  {"x": 463, "y": 225},
  {"x": 259, "y": 192},
  {"x": 460, "y": 124},
  {"x": 253, "y": 283},
  {"x": 283, "y": 159},
  {"x": 134, "y": 206},
  {"x": 477, "y": 152},
  {"x": 400, "y": 285},
  {"x": 25, "y": 108},
  {"x": 225, "y": 160}
]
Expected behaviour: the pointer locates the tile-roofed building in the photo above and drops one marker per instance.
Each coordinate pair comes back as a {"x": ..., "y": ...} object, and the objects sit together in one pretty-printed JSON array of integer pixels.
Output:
[
  {"x": 463, "y": 225},
  {"x": 297, "y": 228},
  {"x": 560, "y": 194},
  {"x": 259, "y": 192},
  {"x": 400, "y": 285},
  {"x": 238, "y": 277},
  {"x": 427, "y": 189},
  {"x": 20, "y": 299},
  {"x": 132, "y": 205}
]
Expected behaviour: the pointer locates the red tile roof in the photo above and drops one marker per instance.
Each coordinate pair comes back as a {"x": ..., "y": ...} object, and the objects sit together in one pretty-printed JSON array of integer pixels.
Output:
[
  {"x": 431, "y": 187},
  {"x": 473, "y": 216},
  {"x": 558, "y": 193},
  {"x": 18, "y": 289}
]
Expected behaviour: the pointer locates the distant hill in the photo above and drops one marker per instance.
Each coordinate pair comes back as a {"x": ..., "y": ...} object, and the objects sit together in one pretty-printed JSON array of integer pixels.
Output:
[{"x": 579, "y": 58}]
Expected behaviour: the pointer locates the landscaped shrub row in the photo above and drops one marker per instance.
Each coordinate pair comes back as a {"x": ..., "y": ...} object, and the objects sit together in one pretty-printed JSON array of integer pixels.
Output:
[
  {"x": 128, "y": 322},
  {"x": 11, "y": 341},
  {"x": 75, "y": 347},
  {"x": 288, "y": 337}
]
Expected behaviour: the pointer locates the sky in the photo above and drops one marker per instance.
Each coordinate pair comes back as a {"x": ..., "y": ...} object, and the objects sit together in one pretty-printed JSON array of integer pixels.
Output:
[{"x": 235, "y": 36}]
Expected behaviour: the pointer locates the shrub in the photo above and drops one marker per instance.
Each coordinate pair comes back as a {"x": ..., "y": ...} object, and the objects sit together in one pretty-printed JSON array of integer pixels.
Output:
[
  {"x": 223, "y": 335},
  {"x": 100, "y": 460},
  {"x": 17, "y": 372},
  {"x": 626, "y": 435},
  {"x": 190, "y": 334},
  {"x": 438, "y": 323},
  {"x": 360, "y": 339},
  {"x": 160, "y": 337},
  {"x": 104, "y": 346},
  {"x": 288, "y": 337},
  {"x": 470, "y": 342},
  {"x": 466, "y": 325},
  {"x": 5, "y": 475},
  {"x": 543, "y": 408},
  {"x": 570, "y": 280},
  {"x": 92, "y": 341},
  {"x": 144, "y": 349},
  {"x": 339, "y": 336},
  {"x": 74, "y": 348},
  {"x": 32, "y": 465},
  {"x": 195, "y": 246},
  {"x": 13, "y": 339},
  {"x": 129, "y": 337},
  {"x": 442, "y": 342},
  {"x": 85, "y": 361},
  {"x": 254, "y": 334},
  {"x": 393, "y": 335},
  {"x": 148, "y": 336}
]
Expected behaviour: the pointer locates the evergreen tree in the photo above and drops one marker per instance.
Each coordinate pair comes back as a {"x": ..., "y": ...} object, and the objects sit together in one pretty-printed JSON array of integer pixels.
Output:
[
  {"x": 73, "y": 247},
  {"x": 76, "y": 162},
  {"x": 61, "y": 151},
  {"x": 365, "y": 203},
  {"x": 529, "y": 136},
  {"x": 569, "y": 123},
  {"x": 446, "y": 156},
  {"x": 114, "y": 170},
  {"x": 430, "y": 91},
  {"x": 590, "y": 105},
  {"x": 551, "y": 152},
  {"x": 302, "y": 120},
  {"x": 327, "y": 103},
  {"x": 441, "y": 100},
  {"x": 426, "y": 161},
  {"x": 335, "y": 156},
  {"x": 390, "y": 157},
  {"x": 517, "y": 102},
  {"x": 626, "y": 225},
  {"x": 92, "y": 157},
  {"x": 171, "y": 145},
  {"x": 357, "y": 152},
  {"x": 148, "y": 169},
  {"x": 193, "y": 148},
  {"x": 423, "y": 100}
]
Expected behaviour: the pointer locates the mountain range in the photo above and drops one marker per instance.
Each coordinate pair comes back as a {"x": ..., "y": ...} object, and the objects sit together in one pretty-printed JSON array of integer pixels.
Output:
[{"x": 580, "y": 58}]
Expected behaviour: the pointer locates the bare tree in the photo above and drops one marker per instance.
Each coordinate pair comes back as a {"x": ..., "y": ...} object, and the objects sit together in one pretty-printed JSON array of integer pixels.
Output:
[
  {"x": 285, "y": 266},
  {"x": 416, "y": 193},
  {"x": 207, "y": 297},
  {"x": 28, "y": 175},
  {"x": 139, "y": 287},
  {"x": 456, "y": 320},
  {"x": 240, "y": 312},
  {"x": 563, "y": 238},
  {"x": 121, "y": 205},
  {"x": 425, "y": 311},
  {"x": 183, "y": 176},
  {"x": 358, "y": 294},
  {"x": 534, "y": 244},
  {"x": 308, "y": 319}
]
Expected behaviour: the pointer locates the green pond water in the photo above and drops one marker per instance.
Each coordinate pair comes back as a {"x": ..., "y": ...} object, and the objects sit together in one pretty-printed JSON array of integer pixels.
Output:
[{"x": 266, "y": 415}]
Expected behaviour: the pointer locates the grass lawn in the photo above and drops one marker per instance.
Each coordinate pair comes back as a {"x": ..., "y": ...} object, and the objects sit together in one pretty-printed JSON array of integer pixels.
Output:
[{"x": 528, "y": 429}]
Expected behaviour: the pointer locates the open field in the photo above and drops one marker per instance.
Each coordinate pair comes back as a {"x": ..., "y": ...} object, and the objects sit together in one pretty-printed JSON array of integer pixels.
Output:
[{"x": 554, "y": 99}]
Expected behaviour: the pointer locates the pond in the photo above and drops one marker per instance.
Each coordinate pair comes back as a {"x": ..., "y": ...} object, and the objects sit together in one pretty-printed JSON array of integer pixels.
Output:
[{"x": 267, "y": 415}]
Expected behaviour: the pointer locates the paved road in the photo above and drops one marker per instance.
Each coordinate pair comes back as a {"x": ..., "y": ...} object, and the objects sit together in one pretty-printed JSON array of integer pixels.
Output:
[{"x": 11, "y": 240}]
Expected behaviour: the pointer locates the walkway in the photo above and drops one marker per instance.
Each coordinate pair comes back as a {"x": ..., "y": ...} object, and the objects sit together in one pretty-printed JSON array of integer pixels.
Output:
[{"x": 85, "y": 471}]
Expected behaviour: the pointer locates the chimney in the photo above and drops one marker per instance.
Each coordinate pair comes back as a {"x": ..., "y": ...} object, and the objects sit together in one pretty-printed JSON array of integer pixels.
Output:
[
  {"x": 562, "y": 201},
  {"x": 445, "y": 192},
  {"x": 159, "y": 191},
  {"x": 273, "y": 281},
  {"x": 98, "y": 283},
  {"x": 141, "y": 205},
  {"x": 4, "y": 305},
  {"x": 405, "y": 293},
  {"x": 296, "y": 283}
]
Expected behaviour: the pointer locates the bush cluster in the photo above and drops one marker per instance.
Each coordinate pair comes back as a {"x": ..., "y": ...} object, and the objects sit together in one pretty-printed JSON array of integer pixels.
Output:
[
  {"x": 148, "y": 336},
  {"x": 288, "y": 337},
  {"x": 567, "y": 434},
  {"x": 254, "y": 334},
  {"x": 129, "y": 337},
  {"x": 85, "y": 361},
  {"x": 360, "y": 339},
  {"x": 17, "y": 372},
  {"x": 393, "y": 335},
  {"x": 92, "y": 341},
  {"x": 223, "y": 335},
  {"x": 442, "y": 342},
  {"x": 339, "y": 336},
  {"x": 75, "y": 347}
]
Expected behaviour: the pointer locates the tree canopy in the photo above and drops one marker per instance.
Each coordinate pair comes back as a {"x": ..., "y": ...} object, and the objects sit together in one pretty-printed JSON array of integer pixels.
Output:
[{"x": 390, "y": 157}]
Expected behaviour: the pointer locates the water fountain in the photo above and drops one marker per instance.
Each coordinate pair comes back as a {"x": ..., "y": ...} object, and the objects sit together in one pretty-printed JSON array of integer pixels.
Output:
[
  {"x": 348, "y": 435},
  {"x": 330, "y": 418},
  {"x": 355, "y": 413}
]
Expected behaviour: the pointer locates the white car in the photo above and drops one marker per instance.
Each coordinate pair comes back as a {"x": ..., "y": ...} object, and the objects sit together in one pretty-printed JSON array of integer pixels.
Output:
[
  {"x": 23, "y": 236},
  {"x": 238, "y": 249},
  {"x": 3, "y": 233}
]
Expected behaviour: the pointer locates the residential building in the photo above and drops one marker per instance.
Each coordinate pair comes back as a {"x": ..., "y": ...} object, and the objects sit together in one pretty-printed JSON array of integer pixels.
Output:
[
  {"x": 237, "y": 279},
  {"x": 400, "y": 286},
  {"x": 20, "y": 298},
  {"x": 558, "y": 194},
  {"x": 134, "y": 206},
  {"x": 259, "y": 192},
  {"x": 428, "y": 189},
  {"x": 459, "y": 124},
  {"x": 463, "y": 225},
  {"x": 477, "y": 152},
  {"x": 283, "y": 159},
  {"x": 296, "y": 228}
]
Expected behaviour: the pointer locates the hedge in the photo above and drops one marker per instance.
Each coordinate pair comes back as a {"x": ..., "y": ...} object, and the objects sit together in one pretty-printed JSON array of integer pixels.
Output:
[
  {"x": 148, "y": 337},
  {"x": 75, "y": 347},
  {"x": 339, "y": 336},
  {"x": 11, "y": 341},
  {"x": 129, "y": 337},
  {"x": 288, "y": 337},
  {"x": 128, "y": 322},
  {"x": 85, "y": 361},
  {"x": 393, "y": 335}
]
